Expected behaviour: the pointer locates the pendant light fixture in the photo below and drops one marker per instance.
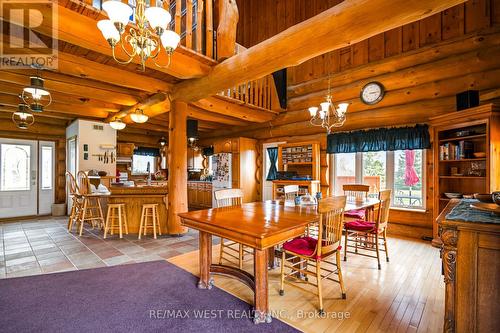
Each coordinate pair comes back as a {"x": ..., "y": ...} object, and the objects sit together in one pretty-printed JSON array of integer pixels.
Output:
[
  {"x": 139, "y": 117},
  {"x": 117, "y": 124},
  {"x": 22, "y": 117},
  {"x": 162, "y": 142},
  {"x": 192, "y": 133},
  {"x": 35, "y": 95}
]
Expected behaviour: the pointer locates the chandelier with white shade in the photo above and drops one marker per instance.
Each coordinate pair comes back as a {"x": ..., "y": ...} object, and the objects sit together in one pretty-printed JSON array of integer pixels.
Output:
[
  {"x": 328, "y": 115},
  {"x": 117, "y": 124},
  {"x": 23, "y": 118},
  {"x": 35, "y": 95},
  {"x": 139, "y": 117},
  {"x": 145, "y": 39}
]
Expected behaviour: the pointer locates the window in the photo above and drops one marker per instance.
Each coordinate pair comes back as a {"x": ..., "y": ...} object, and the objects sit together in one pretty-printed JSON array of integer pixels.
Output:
[
  {"x": 401, "y": 171},
  {"x": 140, "y": 164},
  {"x": 15, "y": 167},
  {"x": 46, "y": 160}
]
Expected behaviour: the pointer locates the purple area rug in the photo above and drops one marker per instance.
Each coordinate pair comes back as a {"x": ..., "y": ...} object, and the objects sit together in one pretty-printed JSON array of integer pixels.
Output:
[{"x": 146, "y": 297}]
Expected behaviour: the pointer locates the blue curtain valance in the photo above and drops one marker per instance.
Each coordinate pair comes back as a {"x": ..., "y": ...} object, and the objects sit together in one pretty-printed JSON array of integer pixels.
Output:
[
  {"x": 381, "y": 139},
  {"x": 146, "y": 151}
]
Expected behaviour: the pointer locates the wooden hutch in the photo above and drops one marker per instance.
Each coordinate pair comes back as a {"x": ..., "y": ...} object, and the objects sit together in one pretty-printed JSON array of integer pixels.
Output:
[
  {"x": 304, "y": 159},
  {"x": 466, "y": 155}
]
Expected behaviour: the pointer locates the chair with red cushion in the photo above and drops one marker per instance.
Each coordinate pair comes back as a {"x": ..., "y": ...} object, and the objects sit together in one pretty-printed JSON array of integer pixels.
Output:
[
  {"x": 301, "y": 253},
  {"x": 356, "y": 192},
  {"x": 366, "y": 235}
]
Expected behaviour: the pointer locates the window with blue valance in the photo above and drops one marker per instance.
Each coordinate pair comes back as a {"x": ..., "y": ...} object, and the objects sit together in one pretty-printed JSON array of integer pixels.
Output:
[
  {"x": 381, "y": 139},
  {"x": 146, "y": 151}
]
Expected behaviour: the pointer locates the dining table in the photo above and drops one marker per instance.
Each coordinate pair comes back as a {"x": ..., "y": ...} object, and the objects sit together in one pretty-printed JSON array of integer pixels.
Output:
[{"x": 260, "y": 226}]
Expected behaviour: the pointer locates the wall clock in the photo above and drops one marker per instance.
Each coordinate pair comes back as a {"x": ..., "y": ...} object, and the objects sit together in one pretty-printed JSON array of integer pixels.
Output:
[{"x": 372, "y": 93}]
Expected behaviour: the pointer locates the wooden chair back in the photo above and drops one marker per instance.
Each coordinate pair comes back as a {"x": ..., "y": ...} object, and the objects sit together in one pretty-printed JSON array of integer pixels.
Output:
[
  {"x": 331, "y": 217},
  {"x": 383, "y": 209},
  {"x": 83, "y": 183},
  {"x": 228, "y": 197},
  {"x": 356, "y": 192},
  {"x": 290, "y": 191},
  {"x": 72, "y": 185}
]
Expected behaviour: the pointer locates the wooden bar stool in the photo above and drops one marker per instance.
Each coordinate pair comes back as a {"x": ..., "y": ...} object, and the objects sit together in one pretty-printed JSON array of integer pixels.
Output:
[
  {"x": 116, "y": 213},
  {"x": 149, "y": 211},
  {"x": 91, "y": 211}
]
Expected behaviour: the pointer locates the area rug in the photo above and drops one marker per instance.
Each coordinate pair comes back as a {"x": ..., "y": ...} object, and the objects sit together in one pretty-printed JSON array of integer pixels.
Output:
[{"x": 146, "y": 297}]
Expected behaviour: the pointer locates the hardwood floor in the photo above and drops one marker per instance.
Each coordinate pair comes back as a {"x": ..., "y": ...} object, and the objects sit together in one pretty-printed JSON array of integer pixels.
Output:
[{"x": 407, "y": 295}]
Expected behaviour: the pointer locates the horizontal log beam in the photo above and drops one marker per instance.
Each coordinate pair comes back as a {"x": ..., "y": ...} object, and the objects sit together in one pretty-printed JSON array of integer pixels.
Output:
[
  {"x": 327, "y": 31},
  {"x": 216, "y": 105},
  {"x": 426, "y": 54},
  {"x": 158, "y": 98}
]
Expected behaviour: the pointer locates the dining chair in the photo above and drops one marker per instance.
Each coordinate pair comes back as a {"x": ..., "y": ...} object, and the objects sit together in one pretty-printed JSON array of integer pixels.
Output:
[
  {"x": 227, "y": 198},
  {"x": 91, "y": 204},
  {"x": 76, "y": 200},
  {"x": 366, "y": 235},
  {"x": 301, "y": 253},
  {"x": 290, "y": 191},
  {"x": 355, "y": 192}
]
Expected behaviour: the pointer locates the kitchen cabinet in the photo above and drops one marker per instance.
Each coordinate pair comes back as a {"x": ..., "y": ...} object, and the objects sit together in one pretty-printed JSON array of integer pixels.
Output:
[
  {"x": 125, "y": 149},
  {"x": 223, "y": 146},
  {"x": 199, "y": 194}
]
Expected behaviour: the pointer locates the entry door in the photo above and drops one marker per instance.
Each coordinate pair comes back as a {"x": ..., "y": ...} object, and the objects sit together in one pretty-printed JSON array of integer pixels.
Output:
[
  {"x": 18, "y": 178},
  {"x": 46, "y": 183}
]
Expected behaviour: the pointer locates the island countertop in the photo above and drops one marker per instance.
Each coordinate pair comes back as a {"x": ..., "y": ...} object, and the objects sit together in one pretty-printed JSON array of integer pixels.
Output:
[{"x": 134, "y": 197}]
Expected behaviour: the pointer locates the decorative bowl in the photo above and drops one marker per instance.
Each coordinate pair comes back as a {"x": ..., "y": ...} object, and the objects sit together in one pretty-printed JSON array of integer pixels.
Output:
[
  {"x": 496, "y": 197},
  {"x": 479, "y": 154},
  {"x": 102, "y": 173},
  {"x": 484, "y": 197},
  {"x": 453, "y": 195}
]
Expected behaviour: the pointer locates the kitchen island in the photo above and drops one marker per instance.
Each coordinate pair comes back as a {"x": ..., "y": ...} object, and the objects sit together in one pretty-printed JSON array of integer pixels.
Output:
[{"x": 134, "y": 197}]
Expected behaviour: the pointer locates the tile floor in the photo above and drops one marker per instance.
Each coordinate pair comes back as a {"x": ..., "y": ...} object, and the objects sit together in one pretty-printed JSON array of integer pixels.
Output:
[{"x": 44, "y": 245}]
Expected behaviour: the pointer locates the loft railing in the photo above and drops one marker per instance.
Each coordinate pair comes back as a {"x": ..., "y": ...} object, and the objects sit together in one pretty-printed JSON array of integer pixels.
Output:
[
  {"x": 191, "y": 19},
  {"x": 260, "y": 93}
]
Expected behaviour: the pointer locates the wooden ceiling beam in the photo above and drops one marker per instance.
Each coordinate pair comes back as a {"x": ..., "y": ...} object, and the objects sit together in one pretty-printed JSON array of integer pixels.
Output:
[
  {"x": 153, "y": 100},
  {"x": 11, "y": 100},
  {"x": 81, "y": 30},
  {"x": 216, "y": 105},
  {"x": 69, "y": 86},
  {"x": 201, "y": 114},
  {"x": 344, "y": 24}
]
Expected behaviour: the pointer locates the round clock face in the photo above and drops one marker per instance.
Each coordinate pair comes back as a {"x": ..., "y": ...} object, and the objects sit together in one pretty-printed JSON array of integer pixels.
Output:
[{"x": 372, "y": 93}]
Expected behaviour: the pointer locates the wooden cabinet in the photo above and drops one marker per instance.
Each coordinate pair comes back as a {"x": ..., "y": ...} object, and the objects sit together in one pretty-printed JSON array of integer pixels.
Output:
[
  {"x": 471, "y": 266},
  {"x": 199, "y": 194},
  {"x": 223, "y": 146},
  {"x": 458, "y": 137},
  {"x": 195, "y": 159},
  {"x": 125, "y": 149},
  {"x": 300, "y": 157},
  {"x": 309, "y": 186}
]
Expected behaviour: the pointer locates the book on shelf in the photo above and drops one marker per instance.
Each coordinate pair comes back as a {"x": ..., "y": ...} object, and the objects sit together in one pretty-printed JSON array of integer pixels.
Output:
[{"x": 452, "y": 151}]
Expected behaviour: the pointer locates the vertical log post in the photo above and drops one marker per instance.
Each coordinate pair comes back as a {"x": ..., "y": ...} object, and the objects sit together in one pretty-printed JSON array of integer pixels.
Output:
[
  {"x": 226, "y": 30},
  {"x": 209, "y": 33},
  {"x": 189, "y": 24},
  {"x": 177, "y": 166}
]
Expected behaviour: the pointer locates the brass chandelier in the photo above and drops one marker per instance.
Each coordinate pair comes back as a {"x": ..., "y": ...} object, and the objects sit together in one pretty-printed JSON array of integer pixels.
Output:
[
  {"x": 143, "y": 41},
  {"x": 328, "y": 115}
]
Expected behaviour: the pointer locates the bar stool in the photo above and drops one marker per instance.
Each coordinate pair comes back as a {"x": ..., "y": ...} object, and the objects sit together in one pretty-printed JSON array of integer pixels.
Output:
[
  {"x": 149, "y": 210},
  {"x": 116, "y": 213},
  {"x": 91, "y": 210}
]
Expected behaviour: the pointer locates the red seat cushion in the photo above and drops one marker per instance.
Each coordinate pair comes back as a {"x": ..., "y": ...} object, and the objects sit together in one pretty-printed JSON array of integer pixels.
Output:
[
  {"x": 356, "y": 213},
  {"x": 303, "y": 245},
  {"x": 359, "y": 225}
]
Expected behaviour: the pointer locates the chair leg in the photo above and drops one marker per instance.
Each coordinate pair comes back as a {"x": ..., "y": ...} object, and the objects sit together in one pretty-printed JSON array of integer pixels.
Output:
[
  {"x": 158, "y": 221},
  {"x": 282, "y": 283},
  {"x": 320, "y": 294},
  {"x": 240, "y": 259},
  {"x": 125, "y": 219},
  {"x": 71, "y": 216},
  {"x": 120, "y": 221},
  {"x": 221, "y": 250},
  {"x": 154, "y": 221},
  {"x": 385, "y": 245},
  {"x": 106, "y": 226},
  {"x": 341, "y": 280},
  {"x": 376, "y": 249},
  {"x": 141, "y": 223},
  {"x": 82, "y": 221},
  {"x": 99, "y": 212},
  {"x": 345, "y": 245}
]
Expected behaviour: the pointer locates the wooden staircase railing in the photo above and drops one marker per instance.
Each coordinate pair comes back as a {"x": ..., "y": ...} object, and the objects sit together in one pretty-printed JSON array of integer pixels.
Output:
[{"x": 260, "y": 93}]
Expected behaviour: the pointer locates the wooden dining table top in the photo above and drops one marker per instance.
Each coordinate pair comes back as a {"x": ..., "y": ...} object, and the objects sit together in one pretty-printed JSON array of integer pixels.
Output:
[{"x": 258, "y": 224}]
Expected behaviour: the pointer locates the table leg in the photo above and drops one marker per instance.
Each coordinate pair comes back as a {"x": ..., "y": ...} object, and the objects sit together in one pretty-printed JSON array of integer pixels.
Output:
[
  {"x": 271, "y": 258},
  {"x": 206, "y": 282},
  {"x": 261, "y": 302}
]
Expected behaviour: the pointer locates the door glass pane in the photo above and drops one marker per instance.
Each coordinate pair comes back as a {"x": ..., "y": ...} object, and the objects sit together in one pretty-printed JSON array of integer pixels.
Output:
[
  {"x": 408, "y": 189},
  {"x": 374, "y": 171},
  {"x": 15, "y": 167},
  {"x": 345, "y": 171},
  {"x": 46, "y": 160},
  {"x": 72, "y": 156},
  {"x": 140, "y": 164}
]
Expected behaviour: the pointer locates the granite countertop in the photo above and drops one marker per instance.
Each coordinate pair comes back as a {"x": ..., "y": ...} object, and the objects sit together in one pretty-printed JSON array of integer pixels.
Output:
[{"x": 465, "y": 213}]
